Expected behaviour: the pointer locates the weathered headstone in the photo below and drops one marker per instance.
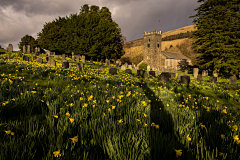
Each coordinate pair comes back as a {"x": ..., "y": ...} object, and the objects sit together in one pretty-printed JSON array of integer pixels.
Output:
[
  {"x": 113, "y": 71},
  {"x": 232, "y": 80},
  {"x": 145, "y": 75},
  {"x": 77, "y": 58},
  {"x": 173, "y": 75},
  {"x": 148, "y": 68},
  {"x": 123, "y": 67},
  {"x": 213, "y": 79},
  {"x": 24, "y": 49},
  {"x": 180, "y": 75},
  {"x": 152, "y": 73},
  {"x": 53, "y": 62},
  {"x": 80, "y": 66},
  {"x": 129, "y": 66},
  {"x": 83, "y": 58},
  {"x": 129, "y": 71},
  {"x": 165, "y": 76},
  {"x": 36, "y": 49},
  {"x": 65, "y": 64},
  {"x": 195, "y": 72},
  {"x": 39, "y": 60},
  {"x": 28, "y": 49},
  {"x": 73, "y": 58},
  {"x": 10, "y": 47},
  {"x": 25, "y": 58},
  {"x": 108, "y": 63},
  {"x": 204, "y": 73},
  {"x": 63, "y": 57},
  {"x": 7, "y": 57},
  {"x": 215, "y": 74},
  {"x": 199, "y": 77},
  {"x": 185, "y": 79}
]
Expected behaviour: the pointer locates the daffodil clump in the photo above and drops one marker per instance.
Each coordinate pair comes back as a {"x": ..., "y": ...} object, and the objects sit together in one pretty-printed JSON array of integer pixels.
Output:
[{"x": 67, "y": 113}]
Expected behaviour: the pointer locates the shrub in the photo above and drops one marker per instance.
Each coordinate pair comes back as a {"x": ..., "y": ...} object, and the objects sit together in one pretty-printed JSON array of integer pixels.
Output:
[{"x": 143, "y": 66}]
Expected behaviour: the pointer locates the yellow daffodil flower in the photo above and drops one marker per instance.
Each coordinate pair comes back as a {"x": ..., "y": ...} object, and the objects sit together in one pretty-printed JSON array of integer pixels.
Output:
[
  {"x": 178, "y": 152},
  {"x": 57, "y": 153},
  {"x": 74, "y": 139}
]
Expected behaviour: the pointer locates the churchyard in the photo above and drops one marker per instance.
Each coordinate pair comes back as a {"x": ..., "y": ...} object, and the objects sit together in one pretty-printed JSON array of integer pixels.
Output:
[{"x": 54, "y": 106}]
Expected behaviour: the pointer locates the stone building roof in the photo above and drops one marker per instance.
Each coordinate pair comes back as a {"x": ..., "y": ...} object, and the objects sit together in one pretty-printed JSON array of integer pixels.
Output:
[{"x": 171, "y": 55}]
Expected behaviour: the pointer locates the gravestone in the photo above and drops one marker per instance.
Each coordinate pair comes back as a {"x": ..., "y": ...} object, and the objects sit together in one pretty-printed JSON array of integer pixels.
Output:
[
  {"x": 63, "y": 57},
  {"x": 145, "y": 75},
  {"x": 186, "y": 71},
  {"x": 140, "y": 73},
  {"x": 204, "y": 73},
  {"x": 123, "y": 67},
  {"x": 72, "y": 54},
  {"x": 215, "y": 74},
  {"x": 213, "y": 79},
  {"x": 108, "y": 63},
  {"x": 25, "y": 58},
  {"x": 39, "y": 60},
  {"x": 113, "y": 71},
  {"x": 233, "y": 80},
  {"x": 73, "y": 58},
  {"x": 65, "y": 64},
  {"x": 91, "y": 61},
  {"x": 10, "y": 47},
  {"x": 199, "y": 77},
  {"x": 36, "y": 49},
  {"x": 180, "y": 75},
  {"x": 83, "y": 58},
  {"x": 195, "y": 70},
  {"x": 148, "y": 68},
  {"x": 24, "y": 49},
  {"x": 28, "y": 49},
  {"x": 185, "y": 79},
  {"x": 130, "y": 66},
  {"x": 106, "y": 60},
  {"x": 173, "y": 75},
  {"x": 77, "y": 58},
  {"x": 52, "y": 62},
  {"x": 101, "y": 67},
  {"x": 80, "y": 66},
  {"x": 129, "y": 71},
  {"x": 165, "y": 76},
  {"x": 6, "y": 57},
  {"x": 152, "y": 73}
]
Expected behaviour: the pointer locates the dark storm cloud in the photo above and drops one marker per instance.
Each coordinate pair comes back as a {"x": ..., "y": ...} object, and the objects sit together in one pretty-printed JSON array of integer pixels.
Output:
[{"x": 21, "y": 17}]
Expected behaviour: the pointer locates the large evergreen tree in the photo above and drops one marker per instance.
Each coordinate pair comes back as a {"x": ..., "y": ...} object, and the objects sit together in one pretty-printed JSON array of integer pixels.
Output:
[
  {"x": 28, "y": 40},
  {"x": 218, "y": 32}
]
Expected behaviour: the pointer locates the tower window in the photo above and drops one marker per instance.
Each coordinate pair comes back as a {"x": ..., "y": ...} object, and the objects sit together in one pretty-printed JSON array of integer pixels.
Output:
[
  {"x": 158, "y": 45},
  {"x": 149, "y": 40},
  {"x": 148, "y": 45}
]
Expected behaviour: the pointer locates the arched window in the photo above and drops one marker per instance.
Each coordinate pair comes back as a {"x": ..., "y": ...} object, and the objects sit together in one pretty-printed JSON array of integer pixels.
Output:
[
  {"x": 149, "y": 40},
  {"x": 158, "y": 45},
  {"x": 148, "y": 45}
]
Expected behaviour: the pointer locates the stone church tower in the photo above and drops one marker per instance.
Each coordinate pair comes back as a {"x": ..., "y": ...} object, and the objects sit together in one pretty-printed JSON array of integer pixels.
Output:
[{"x": 152, "y": 49}]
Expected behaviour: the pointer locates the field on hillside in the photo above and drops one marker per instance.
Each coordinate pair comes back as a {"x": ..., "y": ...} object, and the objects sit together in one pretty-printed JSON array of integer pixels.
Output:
[{"x": 49, "y": 112}]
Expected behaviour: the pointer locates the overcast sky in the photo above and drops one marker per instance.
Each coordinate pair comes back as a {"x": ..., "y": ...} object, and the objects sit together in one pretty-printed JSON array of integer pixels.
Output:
[{"x": 21, "y": 17}]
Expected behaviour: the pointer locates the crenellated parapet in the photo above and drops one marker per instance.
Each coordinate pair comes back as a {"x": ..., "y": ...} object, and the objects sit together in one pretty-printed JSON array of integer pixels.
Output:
[{"x": 150, "y": 33}]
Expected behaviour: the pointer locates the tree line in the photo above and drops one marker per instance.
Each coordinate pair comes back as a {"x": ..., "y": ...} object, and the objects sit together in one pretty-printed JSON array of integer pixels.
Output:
[{"x": 92, "y": 33}]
